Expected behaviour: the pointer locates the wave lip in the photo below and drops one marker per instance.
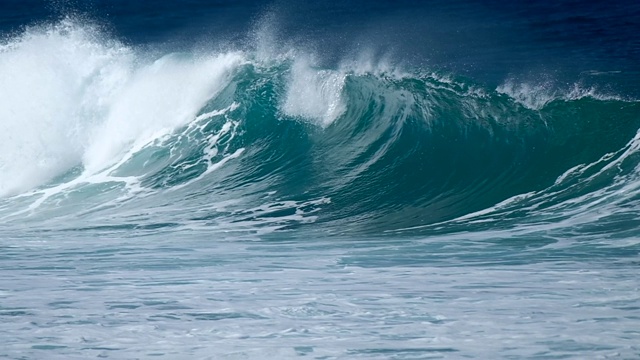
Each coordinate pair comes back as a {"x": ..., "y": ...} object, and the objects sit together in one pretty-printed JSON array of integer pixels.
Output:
[
  {"x": 314, "y": 94},
  {"x": 73, "y": 97},
  {"x": 157, "y": 99}
]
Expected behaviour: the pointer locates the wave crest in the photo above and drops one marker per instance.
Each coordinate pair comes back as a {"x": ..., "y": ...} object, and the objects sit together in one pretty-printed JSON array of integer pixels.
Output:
[{"x": 378, "y": 149}]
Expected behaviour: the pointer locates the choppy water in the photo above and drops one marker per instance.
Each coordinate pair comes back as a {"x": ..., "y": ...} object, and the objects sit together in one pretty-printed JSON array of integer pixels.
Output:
[{"x": 240, "y": 181}]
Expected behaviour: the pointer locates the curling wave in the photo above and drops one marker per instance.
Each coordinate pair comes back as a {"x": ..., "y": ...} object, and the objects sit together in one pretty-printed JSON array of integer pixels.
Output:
[{"x": 102, "y": 135}]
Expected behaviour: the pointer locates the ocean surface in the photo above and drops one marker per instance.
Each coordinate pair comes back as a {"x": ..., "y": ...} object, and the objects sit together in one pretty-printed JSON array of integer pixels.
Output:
[{"x": 350, "y": 180}]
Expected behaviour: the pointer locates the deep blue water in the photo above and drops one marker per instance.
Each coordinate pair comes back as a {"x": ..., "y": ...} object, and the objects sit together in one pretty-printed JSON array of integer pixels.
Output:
[{"x": 364, "y": 179}]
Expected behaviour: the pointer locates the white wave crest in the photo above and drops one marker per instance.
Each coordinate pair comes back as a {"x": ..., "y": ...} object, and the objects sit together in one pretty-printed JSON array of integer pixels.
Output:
[
  {"x": 72, "y": 96},
  {"x": 537, "y": 96},
  {"x": 314, "y": 94}
]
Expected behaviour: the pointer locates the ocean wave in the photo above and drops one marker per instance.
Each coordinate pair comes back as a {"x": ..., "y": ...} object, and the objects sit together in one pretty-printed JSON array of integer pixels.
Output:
[{"x": 100, "y": 131}]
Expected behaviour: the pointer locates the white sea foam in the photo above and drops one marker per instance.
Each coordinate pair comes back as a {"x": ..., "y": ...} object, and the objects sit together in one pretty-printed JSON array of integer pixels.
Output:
[
  {"x": 533, "y": 97},
  {"x": 72, "y": 96},
  {"x": 157, "y": 99},
  {"x": 314, "y": 94},
  {"x": 537, "y": 96},
  {"x": 53, "y": 86}
]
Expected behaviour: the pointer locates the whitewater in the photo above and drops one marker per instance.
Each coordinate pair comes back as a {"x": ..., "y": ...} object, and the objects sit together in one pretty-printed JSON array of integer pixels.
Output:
[{"x": 255, "y": 201}]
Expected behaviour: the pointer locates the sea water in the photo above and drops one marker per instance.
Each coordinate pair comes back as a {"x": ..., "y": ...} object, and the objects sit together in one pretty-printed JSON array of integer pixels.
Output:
[{"x": 274, "y": 180}]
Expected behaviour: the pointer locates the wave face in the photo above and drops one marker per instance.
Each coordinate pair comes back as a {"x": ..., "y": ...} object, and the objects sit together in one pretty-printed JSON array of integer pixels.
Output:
[{"x": 98, "y": 134}]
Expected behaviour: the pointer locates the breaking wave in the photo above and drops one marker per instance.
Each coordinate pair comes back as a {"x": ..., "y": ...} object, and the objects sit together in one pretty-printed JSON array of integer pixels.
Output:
[{"x": 103, "y": 135}]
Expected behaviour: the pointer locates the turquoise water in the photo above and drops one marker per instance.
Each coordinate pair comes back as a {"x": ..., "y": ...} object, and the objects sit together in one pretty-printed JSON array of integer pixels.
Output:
[{"x": 259, "y": 197}]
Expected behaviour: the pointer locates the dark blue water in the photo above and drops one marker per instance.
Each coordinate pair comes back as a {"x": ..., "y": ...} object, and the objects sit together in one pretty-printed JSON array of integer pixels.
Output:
[
  {"x": 279, "y": 179},
  {"x": 488, "y": 40}
]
